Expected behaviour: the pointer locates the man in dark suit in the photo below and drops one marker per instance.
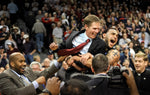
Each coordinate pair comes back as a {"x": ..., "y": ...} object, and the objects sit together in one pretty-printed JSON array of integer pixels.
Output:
[
  {"x": 21, "y": 80},
  {"x": 99, "y": 84},
  {"x": 95, "y": 46},
  {"x": 141, "y": 74},
  {"x": 92, "y": 28}
]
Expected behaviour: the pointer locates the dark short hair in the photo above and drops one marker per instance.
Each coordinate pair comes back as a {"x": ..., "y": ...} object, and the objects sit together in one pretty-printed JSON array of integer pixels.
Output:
[
  {"x": 100, "y": 63},
  {"x": 75, "y": 87},
  {"x": 106, "y": 30},
  {"x": 50, "y": 53}
]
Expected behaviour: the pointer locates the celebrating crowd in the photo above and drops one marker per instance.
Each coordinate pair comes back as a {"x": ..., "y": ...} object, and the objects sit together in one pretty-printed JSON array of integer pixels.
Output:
[{"x": 88, "y": 44}]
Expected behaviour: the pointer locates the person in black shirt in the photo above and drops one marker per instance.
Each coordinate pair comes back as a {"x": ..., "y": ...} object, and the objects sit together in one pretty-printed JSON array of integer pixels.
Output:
[{"x": 141, "y": 74}]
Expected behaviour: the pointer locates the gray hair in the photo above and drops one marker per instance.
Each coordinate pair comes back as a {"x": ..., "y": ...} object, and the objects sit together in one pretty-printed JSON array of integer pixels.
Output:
[{"x": 35, "y": 63}]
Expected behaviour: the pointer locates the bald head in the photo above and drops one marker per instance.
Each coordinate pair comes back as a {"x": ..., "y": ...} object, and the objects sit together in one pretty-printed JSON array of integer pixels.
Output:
[
  {"x": 17, "y": 62},
  {"x": 14, "y": 56}
]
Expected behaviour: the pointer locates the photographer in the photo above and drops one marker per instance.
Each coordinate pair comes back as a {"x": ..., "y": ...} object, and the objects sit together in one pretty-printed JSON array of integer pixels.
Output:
[{"x": 99, "y": 85}]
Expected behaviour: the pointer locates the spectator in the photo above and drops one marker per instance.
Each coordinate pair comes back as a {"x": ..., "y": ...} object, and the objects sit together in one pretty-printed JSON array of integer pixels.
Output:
[
  {"x": 15, "y": 32},
  {"x": 2, "y": 25},
  {"x": 39, "y": 15},
  {"x": 40, "y": 32},
  {"x": 3, "y": 57},
  {"x": 137, "y": 26},
  {"x": 34, "y": 6},
  {"x": 4, "y": 12},
  {"x": 126, "y": 63},
  {"x": 56, "y": 19},
  {"x": 12, "y": 8},
  {"x": 117, "y": 47},
  {"x": 20, "y": 40},
  {"x": 37, "y": 58},
  {"x": 142, "y": 46},
  {"x": 47, "y": 23},
  {"x": 46, "y": 63},
  {"x": 36, "y": 66},
  {"x": 28, "y": 49},
  {"x": 11, "y": 49},
  {"x": 131, "y": 50},
  {"x": 51, "y": 58},
  {"x": 10, "y": 40},
  {"x": 123, "y": 42},
  {"x": 146, "y": 26},
  {"x": 67, "y": 32},
  {"x": 129, "y": 25},
  {"x": 58, "y": 33},
  {"x": 45, "y": 18},
  {"x": 65, "y": 21},
  {"x": 147, "y": 13},
  {"x": 136, "y": 43},
  {"x": 3, "y": 36},
  {"x": 144, "y": 36},
  {"x": 74, "y": 26}
]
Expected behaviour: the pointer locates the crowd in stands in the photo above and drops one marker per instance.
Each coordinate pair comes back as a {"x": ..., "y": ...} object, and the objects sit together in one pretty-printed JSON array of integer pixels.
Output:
[{"x": 32, "y": 25}]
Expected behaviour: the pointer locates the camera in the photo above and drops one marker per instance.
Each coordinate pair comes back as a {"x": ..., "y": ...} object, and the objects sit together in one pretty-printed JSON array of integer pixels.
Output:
[{"x": 117, "y": 80}]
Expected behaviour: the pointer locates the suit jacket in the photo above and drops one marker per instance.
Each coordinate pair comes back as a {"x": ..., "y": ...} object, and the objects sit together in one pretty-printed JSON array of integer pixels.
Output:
[
  {"x": 97, "y": 46},
  {"x": 143, "y": 82},
  {"x": 99, "y": 86},
  {"x": 11, "y": 84}
]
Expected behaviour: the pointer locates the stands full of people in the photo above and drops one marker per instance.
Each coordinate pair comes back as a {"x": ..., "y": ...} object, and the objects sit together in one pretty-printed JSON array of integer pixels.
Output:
[{"x": 81, "y": 38}]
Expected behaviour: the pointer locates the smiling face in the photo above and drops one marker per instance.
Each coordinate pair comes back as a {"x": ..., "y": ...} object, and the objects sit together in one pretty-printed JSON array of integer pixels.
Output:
[
  {"x": 140, "y": 64},
  {"x": 91, "y": 25},
  {"x": 18, "y": 63},
  {"x": 92, "y": 30},
  {"x": 111, "y": 37},
  {"x": 36, "y": 67},
  {"x": 141, "y": 61}
]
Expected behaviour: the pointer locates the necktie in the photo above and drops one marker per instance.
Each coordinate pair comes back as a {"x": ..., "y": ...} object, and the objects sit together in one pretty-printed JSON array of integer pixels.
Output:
[
  {"x": 74, "y": 50},
  {"x": 26, "y": 82}
]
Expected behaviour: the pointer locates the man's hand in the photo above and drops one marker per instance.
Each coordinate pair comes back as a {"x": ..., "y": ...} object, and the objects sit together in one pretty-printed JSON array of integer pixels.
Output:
[
  {"x": 41, "y": 80},
  {"x": 61, "y": 58},
  {"x": 69, "y": 60},
  {"x": 53, "y": 85},
  {"x": 129, "y": 77},
  {"x": 131, "y": 82},
  {"x": 65, "y": 65},
  {"x": 85, "y": 57},
  {"x": 53, "y": 46}
]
